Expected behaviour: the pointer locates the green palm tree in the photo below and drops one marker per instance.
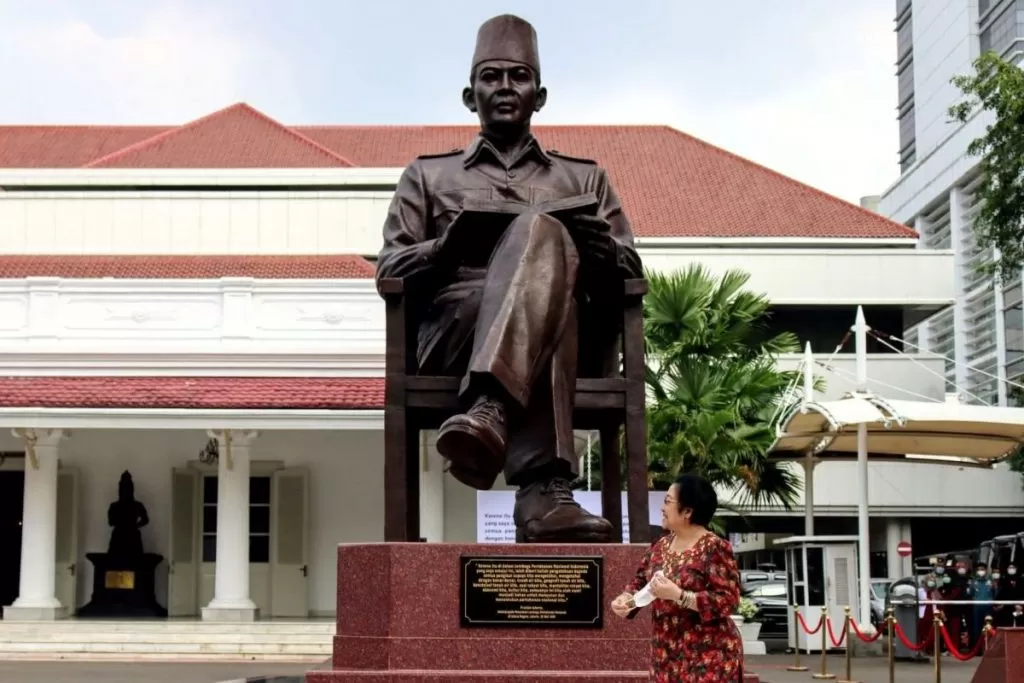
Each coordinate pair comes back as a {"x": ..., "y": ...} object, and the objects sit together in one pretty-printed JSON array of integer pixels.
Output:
[{"x": 713, "y": 384}]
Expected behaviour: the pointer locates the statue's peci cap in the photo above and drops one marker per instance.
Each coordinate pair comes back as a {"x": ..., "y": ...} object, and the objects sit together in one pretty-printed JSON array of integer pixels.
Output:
[{"x": 507, "y": 37}]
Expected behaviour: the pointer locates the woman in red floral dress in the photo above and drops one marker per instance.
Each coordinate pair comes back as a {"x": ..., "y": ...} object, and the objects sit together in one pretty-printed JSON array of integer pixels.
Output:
[{"x": 696, "y": 585}]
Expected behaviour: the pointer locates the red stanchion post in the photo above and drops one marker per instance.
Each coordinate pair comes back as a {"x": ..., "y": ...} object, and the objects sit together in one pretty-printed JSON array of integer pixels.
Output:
[
  {"x": 937, "y": 646},
  {"x": 987, "y": 631}
]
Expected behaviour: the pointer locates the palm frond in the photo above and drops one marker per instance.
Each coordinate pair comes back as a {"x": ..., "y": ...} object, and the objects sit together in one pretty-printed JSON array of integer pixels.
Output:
[{"x": 715, "y": 385}]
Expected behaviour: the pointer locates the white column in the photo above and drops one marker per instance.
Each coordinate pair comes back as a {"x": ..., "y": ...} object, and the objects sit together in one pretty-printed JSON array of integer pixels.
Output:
[
  {"x": 906, "y": 563},
  {"x": 37, "y": 598},
  {"x": 1000, "y": 321},
  {"x": 893, "y": 536},
  {"x": 809, "y": 463},
  {"x": 431, "y": 489},
  {"x": 860, "y": 330},
  {"x": 231, "y": 601},
  {"x": 809, "y": 456},
  {"x": 959, "y": 231}
]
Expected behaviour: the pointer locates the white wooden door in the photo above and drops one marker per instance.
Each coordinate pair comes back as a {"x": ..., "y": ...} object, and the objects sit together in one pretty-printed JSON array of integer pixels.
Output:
[
  {"x": 289, "y": 543},
  {"x": 66, "y": 569},
  {"x": 182, "y": 565},
  {"x": 842, "y": 590}
]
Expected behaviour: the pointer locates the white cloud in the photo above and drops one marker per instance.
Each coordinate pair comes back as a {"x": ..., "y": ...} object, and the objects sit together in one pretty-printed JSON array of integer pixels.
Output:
[
  {"x": 830, "y": 124},
  {"x": 169, "y": 66}
]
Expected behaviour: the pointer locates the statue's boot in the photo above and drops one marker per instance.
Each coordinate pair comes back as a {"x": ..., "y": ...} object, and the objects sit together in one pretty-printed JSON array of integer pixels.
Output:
[
  {"x": 474, "y": 443},
  {"x": 546, "y": 512}
]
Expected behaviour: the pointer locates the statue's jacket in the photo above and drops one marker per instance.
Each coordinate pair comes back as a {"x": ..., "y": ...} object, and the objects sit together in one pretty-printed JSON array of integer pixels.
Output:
[{"x": 430, "y": 195}]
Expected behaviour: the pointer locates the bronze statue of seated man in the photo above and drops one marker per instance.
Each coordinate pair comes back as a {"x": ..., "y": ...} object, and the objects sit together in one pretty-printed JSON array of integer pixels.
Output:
[{"x": 515, "y": 252}]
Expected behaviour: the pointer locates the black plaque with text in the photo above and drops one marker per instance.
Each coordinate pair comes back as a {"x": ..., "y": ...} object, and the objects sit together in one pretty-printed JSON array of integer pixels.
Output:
[{"x": 539, "y": 592}]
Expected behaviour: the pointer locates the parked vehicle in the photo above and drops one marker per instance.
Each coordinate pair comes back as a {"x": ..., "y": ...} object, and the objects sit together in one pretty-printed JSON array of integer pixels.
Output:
[
  {"x": 1002, "y": 550},
  {"x": 772, "y": 607},
  {"x": 879, "y": 593},
  {"x": 750, "y": 578}
]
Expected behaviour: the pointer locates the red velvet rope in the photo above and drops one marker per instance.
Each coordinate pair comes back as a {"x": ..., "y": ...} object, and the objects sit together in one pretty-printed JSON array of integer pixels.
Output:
[
  {"x": 807, "y": 630},
  {"x": 926, "y": 644},
  {"x": 955, "y": 651},
  {"x": 831, "y": 635},
  {"x": 866, "y": 639}
]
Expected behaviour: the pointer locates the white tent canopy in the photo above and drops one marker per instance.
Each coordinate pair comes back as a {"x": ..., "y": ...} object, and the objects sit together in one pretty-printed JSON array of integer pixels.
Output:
[{"x": 942, "y": 431}]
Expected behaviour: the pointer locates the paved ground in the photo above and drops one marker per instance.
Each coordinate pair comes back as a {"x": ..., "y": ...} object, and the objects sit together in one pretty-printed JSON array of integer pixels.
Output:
[
  {"x": 149, "y": 672},
  {"x": 771, "y": 668}
]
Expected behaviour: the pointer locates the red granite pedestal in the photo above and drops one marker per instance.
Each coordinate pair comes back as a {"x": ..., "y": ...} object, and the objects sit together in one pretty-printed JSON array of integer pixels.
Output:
[
  {"x": 399, "y": 622},
  {"x": 1004, "y": 660}
]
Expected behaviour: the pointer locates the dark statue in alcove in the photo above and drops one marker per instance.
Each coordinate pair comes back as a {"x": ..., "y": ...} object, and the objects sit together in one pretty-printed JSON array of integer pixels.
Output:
[
  {"x": 126, "y": 515},
  {"x": 124, "y": 582}
]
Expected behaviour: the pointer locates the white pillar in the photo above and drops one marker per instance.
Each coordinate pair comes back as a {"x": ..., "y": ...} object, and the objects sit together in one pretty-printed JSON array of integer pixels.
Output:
[
  {"x": 231, "y": 601},
  {"x": 1000, "y": 322},
  {"x": 907, "y": 563},
  {"x": 809, "y": 463},
  {"x": 809, "y": 456},
  {"x": 431, "y": 489},
  {"x": 897, "y": 531},
  {"x": 893, "y": 536},
  {"x": 37, "y": 597},
  {"x": 860, "y": 330},
  {"x": 959, "y": 232}
]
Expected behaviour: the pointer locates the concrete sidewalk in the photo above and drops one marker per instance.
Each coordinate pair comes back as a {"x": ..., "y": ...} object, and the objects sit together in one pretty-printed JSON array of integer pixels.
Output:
[
  {"x": 772, "y": 669},
  {"x": 142, "y": 672}
]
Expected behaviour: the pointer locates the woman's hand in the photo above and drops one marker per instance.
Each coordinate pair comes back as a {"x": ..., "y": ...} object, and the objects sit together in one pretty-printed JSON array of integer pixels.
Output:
[
  {"x": 664, "y": 589},
  {"x": 622, "y": 604}
]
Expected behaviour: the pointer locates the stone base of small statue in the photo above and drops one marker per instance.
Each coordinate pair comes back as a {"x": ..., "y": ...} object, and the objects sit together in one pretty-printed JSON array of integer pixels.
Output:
[{"x": 124, "y": 587}]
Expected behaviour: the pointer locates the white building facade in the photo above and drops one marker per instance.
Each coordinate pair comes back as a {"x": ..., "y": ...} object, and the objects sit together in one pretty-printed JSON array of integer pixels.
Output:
[
  {"x": 983, "y": 332},
  {"x": 160, "y": 298}
]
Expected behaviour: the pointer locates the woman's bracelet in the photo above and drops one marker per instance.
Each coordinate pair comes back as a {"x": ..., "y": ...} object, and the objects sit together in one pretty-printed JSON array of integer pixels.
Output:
[{"x": 688, "y": 600}]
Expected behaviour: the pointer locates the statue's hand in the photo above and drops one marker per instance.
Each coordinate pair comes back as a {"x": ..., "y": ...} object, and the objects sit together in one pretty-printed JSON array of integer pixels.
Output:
[
  {"x": 452, "y": 241},
  {"x": 592, "y": 238}
]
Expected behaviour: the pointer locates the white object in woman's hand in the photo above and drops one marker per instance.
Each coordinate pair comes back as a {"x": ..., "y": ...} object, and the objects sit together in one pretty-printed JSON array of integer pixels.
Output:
[{"x": 663, "y": 588}]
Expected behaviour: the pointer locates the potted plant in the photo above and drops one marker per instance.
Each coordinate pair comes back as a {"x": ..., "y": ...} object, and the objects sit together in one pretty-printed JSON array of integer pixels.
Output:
[{"x": 746, "y": 619}]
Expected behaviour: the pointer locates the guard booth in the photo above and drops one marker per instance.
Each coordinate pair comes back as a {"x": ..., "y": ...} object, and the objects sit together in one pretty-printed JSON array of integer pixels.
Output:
[{"x": 821, "y": 571}]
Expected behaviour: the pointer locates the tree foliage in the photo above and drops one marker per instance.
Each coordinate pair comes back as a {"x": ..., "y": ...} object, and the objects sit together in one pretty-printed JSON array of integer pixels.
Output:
[
  {"x": 712, "y": 374},
  {"x": 996, "y": 88}
]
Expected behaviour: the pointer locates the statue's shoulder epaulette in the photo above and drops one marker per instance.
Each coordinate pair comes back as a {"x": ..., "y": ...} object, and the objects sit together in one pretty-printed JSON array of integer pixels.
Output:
[
  {"x": 438, "y": 155},
  {"x": 562, "y": 155}
]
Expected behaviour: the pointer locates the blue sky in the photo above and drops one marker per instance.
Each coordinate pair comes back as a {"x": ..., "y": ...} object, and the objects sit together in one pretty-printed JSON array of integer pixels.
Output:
[{"x": 806, "y": 87}]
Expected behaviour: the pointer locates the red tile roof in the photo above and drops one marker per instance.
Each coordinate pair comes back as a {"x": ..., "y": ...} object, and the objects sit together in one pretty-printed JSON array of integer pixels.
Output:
[
  {"x": 66, "y": 146},
  {"x": 255, "y": 393},
  {"x": 671, "y": 183},
  {"x": 342, "y": 266},
  {"x": 236, "y": 137}
]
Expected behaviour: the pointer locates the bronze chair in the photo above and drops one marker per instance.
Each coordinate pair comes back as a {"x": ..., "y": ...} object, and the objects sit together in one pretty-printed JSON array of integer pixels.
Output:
[{"x": 416, "y": 402}]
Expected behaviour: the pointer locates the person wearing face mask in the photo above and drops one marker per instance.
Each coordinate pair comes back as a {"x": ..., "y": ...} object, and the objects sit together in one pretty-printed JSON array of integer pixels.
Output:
[
  {"x": 1009, "y": 587},
  {"x": 926, "y": 592},
  {"x": 982, "y": 590},
  {"x": 955, "y": 614}
]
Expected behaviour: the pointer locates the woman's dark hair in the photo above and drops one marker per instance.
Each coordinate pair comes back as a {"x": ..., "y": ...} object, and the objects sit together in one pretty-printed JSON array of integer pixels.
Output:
[{"x": 697, "y": 493}]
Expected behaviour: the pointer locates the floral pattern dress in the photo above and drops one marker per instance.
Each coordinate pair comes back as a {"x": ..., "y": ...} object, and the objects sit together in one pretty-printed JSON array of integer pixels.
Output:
[{"x": 701, "y": 646}]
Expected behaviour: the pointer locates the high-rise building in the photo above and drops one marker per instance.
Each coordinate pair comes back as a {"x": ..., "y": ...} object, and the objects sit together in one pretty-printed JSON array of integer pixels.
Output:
[{"x": 982, "y": 334}]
